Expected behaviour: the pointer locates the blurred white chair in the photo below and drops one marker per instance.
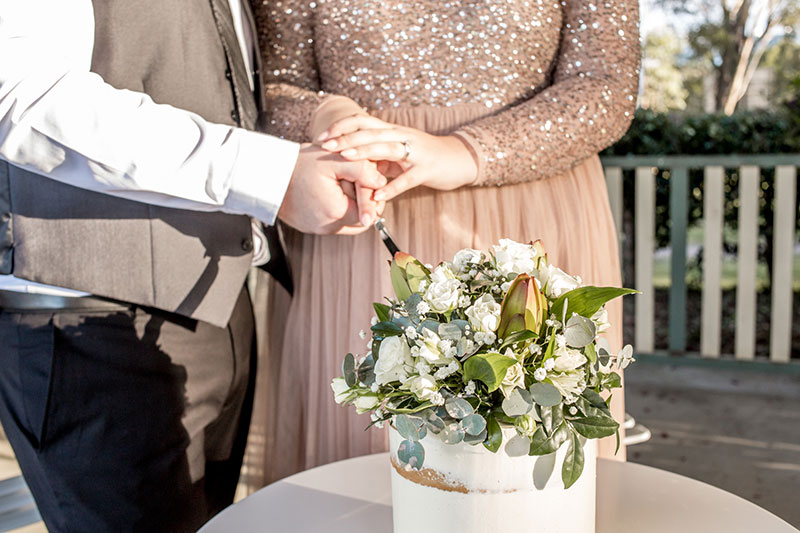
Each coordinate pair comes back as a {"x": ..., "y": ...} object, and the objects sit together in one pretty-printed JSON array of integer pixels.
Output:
[
  {"x": 635, "y": 433},
  {"x": 17, "y": 508}
]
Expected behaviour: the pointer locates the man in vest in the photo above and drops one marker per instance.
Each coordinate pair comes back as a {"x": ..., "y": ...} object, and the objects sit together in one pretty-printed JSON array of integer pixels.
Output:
[{"x": 130, "y": 183}]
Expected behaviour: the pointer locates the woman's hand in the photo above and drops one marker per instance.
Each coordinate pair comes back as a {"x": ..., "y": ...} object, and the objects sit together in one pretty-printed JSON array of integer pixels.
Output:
[{"x": 410, "y": 156}]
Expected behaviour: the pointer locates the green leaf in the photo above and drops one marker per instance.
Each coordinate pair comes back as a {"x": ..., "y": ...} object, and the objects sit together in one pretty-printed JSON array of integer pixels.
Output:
[
  {"x": 411, "y": 453},
  {"x": 595, "y": 427},
  {"x": 488, "y": 368},
  {"x": 551, "y": 417},
  {"x": 580, "y": 331},
  {"x": 458, "y": 408},
  {"x": 590, "y": 353},
  {"x": 519, "y": 336},
  {"x": 596, "y": 401},
  {"x": 545, "y": 394},
  {"x": 573, "y": 462},
  {"x": 518, "y": 403},
  {"x": 382, "y": 311},
  {"x": 416, "y": 273},
  {"x": 611, "y": 381},
  {"x": 494, "y": 437},
  {"x": 349, "y": 370},
  {"x": 586, "y": 301},
  {"x": 399, "y": 283},
  {"x": 387, "y": 329},
  {"x": 551, "y": 346},
  {"x": 412, "y": 429},
  {"x": 544, "y": 444}
]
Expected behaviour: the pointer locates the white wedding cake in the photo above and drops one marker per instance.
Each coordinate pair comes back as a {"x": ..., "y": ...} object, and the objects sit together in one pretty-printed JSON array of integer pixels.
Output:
[{"x": 470, "y": 489}]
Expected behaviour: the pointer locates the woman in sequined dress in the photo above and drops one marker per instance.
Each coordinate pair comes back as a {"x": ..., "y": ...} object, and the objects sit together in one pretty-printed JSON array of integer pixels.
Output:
[{"x": 504, "y": 105}]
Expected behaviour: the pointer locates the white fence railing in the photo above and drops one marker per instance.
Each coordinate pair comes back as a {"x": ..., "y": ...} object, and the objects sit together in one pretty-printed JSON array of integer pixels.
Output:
[{"x": 785, "y": 211}]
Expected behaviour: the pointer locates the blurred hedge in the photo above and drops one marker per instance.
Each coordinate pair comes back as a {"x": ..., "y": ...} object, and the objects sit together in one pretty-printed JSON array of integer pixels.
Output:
[{"x": 749, "y": 132}]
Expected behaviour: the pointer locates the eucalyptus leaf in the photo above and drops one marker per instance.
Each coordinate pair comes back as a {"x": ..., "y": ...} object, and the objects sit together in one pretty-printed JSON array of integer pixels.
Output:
[
  {"x": 410, "y": 428},
  {"x": 366, "y": 371},
  {"x": 545, "y": 394},
  {"x": 518, "y": 403},
  {"x": 452, "y": 433},
  {"x": 595, "y": 427},
  {"x": 573, "y": 462},
  {"x": 458, "y": 408},
  {"x": 429, "y": 324},
  {"x": 349, "y": 370},
  {"x": 488, "y": 368},
  {"x": 411, "y": 453},
  {"x": 586, "y": 301},
  {"x": 544, "y": 444},
  {"x": 432, "y": 421},
  {"x": 473, "y": 424},
  {"x": 580, "y": 331},
  {"x": 450, "y": 331},
  {"x": 494, "y": 435},
  {"x": 411, "y": 307},
  {"x": 387, "y": 329},
  {"x": 382, "y": 311},
  {"x": 462, "y": 324},
  {"x": 475, "y": 439}
]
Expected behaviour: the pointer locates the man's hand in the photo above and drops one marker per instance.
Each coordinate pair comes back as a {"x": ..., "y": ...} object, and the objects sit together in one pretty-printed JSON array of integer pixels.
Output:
[{"x": 316, "y": 200}]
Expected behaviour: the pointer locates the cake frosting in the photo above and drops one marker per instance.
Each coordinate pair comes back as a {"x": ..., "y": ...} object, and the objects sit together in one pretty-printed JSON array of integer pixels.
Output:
[{"x": 468, "y": 489}]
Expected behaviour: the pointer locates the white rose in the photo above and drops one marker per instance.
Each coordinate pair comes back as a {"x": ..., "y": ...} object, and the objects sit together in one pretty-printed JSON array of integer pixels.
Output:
[
  {"x": 570, "y": 384},
  {"x": 484, "y": 315},
  {"x": 393, "y": 357},
  {"x": 429, "y": 348},
  {"x": 557, "y": 281},
  {"x": 423, "y": 387},
  {"x": 514, "y": 257},
  {"x": 443, "y": 292},
  {"x": 515, "y": 377},
  {"x": 567, "y": 359},
  {"x": 464, "y": 259},
  {"x": 366, "y": 403},
  {"x": 341, "y": 391}
]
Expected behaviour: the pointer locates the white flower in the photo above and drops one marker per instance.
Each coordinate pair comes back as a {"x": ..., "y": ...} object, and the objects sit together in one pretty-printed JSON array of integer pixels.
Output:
[
  {"x": 557, "y": 281},
  {"x": 374, "y": 387},
  {"x": 505, "y": 286},
  {"x": 423, "y": 308},
  {"x": 600, "y": 319},
  {"x": 535, "y": 349},
  {"x": 429, "y": 348},
  {"x": 362, "y": 334},
  {"x": 540, "y": 374},
  {"x": 567, "y": 359},
  {"x": 573, "y": 410},
  {"x": 549, "y": 364},
  {"x": 365, "y": 403},
  {"x": 465, "y": 258},
  {"x": 514, "y": 258},
  {"x": 341, "y": 391},
  {"x": 484, "y": 315},
  {"x": 411, "y": 333},
  {"x": 515, "y": 377},
  {"x": 470, "y": 388},
  {"x": 393, "y": 357},
  {"x": 437, "y": 399},
  {"x": 570, "y": 384},
  {"x": 525, "y": 425},
  {"x": 444, "y": 291},
  {"x": 464, "y": 300},
  {"x": 374, "y": 320},
  {"x": 422, "y": 367},
  {"x": 423, "y": 387}
]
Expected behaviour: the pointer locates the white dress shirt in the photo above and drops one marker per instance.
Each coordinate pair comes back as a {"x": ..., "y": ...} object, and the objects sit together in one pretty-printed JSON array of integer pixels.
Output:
[{"x": 64, "y": 122}]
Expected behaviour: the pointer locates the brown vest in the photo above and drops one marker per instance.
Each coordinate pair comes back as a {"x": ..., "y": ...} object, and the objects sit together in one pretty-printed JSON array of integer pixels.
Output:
[{"x": 191, "y": 263}]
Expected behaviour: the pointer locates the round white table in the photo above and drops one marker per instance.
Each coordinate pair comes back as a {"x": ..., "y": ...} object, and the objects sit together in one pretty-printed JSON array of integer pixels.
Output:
[{"x": 355, "y": 496}]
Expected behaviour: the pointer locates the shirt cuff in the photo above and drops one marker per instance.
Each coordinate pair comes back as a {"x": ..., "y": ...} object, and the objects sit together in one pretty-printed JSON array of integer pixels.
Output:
[{"x": 260, "y": 175}]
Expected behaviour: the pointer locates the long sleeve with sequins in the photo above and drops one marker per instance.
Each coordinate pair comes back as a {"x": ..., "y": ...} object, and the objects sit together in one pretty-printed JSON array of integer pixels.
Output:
[
  {"x": 292, "y": 85},
  {"x": 587, "y": 107}
]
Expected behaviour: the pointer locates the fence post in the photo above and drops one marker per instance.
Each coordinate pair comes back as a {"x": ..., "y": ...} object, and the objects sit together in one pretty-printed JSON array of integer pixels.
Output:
[{"x": 678, "y": 200}]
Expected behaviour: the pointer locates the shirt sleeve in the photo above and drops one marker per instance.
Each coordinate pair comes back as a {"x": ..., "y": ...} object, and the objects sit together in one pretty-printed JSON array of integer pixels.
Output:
[
  {"x": 588, "y": 105},
  {"x": 64, "y": 122}
]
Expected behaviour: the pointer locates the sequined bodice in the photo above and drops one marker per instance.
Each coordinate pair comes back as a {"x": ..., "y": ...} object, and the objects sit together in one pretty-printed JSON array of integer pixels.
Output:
[{"x": 552, "y": 76}]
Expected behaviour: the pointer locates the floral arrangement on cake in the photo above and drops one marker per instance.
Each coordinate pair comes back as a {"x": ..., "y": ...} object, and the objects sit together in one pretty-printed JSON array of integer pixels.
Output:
[{"x": 493, "y": 339}]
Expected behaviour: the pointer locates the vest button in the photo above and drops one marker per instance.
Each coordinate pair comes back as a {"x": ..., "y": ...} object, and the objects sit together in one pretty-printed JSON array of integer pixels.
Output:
[
  {"x": 247, "y": 245},
  {"x": 235, "y": 116}
]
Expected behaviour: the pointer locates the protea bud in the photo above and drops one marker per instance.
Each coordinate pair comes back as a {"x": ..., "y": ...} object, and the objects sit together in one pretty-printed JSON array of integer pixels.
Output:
[
  {"x": 407, "y": 274},
  {"x": 523, "y": 307}
]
